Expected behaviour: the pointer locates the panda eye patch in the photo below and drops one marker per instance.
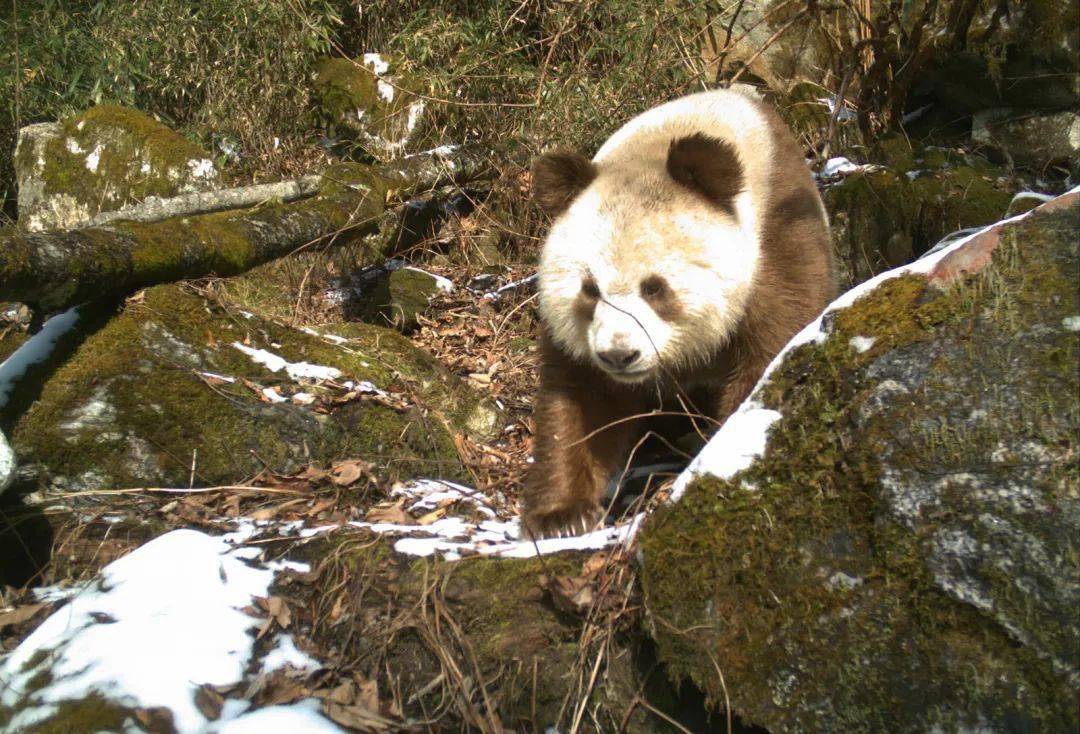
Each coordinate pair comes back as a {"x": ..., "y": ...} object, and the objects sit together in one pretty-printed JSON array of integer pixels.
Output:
[
  {"x": 589, "y": 288},
  {"x": 653, "y": 287}
]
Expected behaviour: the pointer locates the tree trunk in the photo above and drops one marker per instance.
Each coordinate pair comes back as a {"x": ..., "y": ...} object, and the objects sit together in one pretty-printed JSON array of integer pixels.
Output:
[{"x": 53, "y": 270}]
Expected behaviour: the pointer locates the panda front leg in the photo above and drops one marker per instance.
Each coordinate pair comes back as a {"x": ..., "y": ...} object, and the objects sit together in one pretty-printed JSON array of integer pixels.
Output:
[{"x": 578, "y": 446}]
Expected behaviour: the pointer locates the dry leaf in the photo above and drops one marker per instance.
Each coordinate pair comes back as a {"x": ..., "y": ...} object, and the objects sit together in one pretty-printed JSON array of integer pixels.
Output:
[
  {"x": 18, "y": 615},
  {"x": 390, "y": 512},
  {"x": 368, "y": 695},
  {"x": 432, "y": 516},
  {"x": 209, "y": 702},
  {"x": 344, "y": 693},
  {"x": 345, "y": 473},
  {"x": 358, "y": 717},
  {"x": 574, "y": 595},
  {"x": 279, "y": 610}
]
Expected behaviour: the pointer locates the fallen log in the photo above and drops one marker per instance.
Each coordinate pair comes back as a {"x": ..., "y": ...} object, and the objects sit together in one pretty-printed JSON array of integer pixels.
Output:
[{"x": 53, "y": 270}]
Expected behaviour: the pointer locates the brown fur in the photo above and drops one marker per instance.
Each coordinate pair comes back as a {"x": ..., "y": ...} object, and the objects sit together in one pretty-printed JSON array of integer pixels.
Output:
[
  {"x": 707, "y": 165},
  {"x": 558, "y": 177},
  {"x": 793, "y": 284}
]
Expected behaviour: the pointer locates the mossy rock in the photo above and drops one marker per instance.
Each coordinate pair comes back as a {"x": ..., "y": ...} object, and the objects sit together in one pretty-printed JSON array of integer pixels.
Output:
[
  {"x": 902, "y": 556},
  {"x": 396, "y": 297},
  {"x": 886, "y": 217},
  {"x": 101, "y": 160},
  {"x": 367, "y": 100},
  {"x": 141, "y": 402}
]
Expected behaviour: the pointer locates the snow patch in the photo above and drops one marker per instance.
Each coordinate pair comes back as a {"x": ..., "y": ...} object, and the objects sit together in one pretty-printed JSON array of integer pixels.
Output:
[
  {"x": 35, "y": 350},
  {"x": 73, "y": 146},
  {"x": 386, "y": 91},
  {"x": 733, "y": 448},
  {"x": 202, "y": 168},
  {"x": 153, "y": 627},
  {"x": 862, "y": 343},
  {"x": 93, "y": 159},
  {"x": 273, "y": 395},
  {"x": 838, "y": 167},
  {"x": 7, "y": 463},
  {"x": 377, "y": 63},
  {"x": 302, "y": 717},
  {"x": 1071, "y": 323},
  {"x": 295, "y": 370}
]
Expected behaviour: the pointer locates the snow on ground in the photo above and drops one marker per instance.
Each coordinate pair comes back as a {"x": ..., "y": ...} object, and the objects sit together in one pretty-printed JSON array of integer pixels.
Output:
[
  {"x": 295, "y": 370},
  {"x": 36, "y": 349},
  {"x": 449, "y": 537},
  {"x": 7, "y": 463},
  {"x": 153, "y": 627}
]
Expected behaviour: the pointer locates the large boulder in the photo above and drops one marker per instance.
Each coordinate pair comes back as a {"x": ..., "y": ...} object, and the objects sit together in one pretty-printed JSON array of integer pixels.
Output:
[
  {"x": 101, "y": 160},
  {"x": 368, "y": 101},
  {"x": 177, "y": 389},
  {"x": 883, "y": 537}
]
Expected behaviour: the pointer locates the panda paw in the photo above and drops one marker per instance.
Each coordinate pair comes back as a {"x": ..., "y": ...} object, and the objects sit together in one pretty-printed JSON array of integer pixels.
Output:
[{"x": 560, "y": 522}]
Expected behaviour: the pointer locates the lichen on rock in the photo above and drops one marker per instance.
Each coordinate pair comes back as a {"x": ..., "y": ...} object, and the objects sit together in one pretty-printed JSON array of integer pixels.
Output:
[
  {"x": 901, "y": 556},
  {"x": 100, "y": 160}
]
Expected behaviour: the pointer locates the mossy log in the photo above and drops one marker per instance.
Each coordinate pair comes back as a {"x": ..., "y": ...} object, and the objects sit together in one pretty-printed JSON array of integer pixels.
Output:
[{"x": 58, "y": 269}]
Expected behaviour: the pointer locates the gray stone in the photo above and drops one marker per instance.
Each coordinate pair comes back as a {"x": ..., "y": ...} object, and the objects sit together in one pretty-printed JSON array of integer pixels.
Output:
[
  {"x": 101, "y": 160},
  {"x": 1030, "y": 140}
]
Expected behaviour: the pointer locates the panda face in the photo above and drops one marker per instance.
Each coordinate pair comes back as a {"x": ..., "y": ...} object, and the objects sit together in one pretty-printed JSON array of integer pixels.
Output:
[{"x": 641, "y": 275}]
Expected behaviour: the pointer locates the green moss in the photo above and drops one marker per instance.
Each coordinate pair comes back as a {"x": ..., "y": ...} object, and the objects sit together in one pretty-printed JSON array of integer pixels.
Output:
[
  {"x": 799, "y": 582},
  {"x": 343, "y": 86},
  {"x": 351, "y": 98},
  {"x": 885, "y": 218},
  {"x": 130, "y": 406},
  {"x": 92, "y": 713}
]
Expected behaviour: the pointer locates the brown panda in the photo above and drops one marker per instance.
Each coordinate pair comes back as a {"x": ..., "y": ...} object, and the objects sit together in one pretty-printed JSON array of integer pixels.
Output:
[{"x": 681, "y": 259}]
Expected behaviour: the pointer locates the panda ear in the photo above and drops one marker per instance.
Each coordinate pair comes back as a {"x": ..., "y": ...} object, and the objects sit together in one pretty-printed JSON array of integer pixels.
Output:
[
  {"x": 558, "y": 177},
  {"x": 708, "y": 166}
]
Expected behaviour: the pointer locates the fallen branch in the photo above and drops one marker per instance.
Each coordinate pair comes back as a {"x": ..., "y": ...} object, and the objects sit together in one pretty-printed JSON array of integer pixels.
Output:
[
  {"x": 154, "y": 209},
  {"x": 53, "y": 270}
]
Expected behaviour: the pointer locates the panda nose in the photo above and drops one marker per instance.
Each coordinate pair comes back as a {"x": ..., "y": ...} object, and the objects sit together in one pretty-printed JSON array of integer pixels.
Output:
[{"x": 618, "y": 359}]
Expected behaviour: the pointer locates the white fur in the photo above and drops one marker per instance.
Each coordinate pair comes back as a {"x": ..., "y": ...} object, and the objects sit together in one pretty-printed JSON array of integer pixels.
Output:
[{"x": 633, "y": 221}]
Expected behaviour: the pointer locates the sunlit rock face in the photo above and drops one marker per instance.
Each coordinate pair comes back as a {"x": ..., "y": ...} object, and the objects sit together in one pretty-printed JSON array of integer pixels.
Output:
[{"x": 101, "y": 160}]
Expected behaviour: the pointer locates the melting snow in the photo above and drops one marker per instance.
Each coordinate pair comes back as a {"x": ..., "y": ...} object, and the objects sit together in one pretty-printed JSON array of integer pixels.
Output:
[
  {"x": 838, "y": 167},
  {"x": 7, "y": 463},
  {"x": 451, "y": 537},
  {"x": 377, "y": 63},
  {"x": 862, "y": 343},
  {"x": 295, "y": 370},
  {"x": 302, "y": 717},
  {"x": 36, "y": 349},
  {"x": 153, "y": 627},
  {"x": 93, "y": 159}
]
